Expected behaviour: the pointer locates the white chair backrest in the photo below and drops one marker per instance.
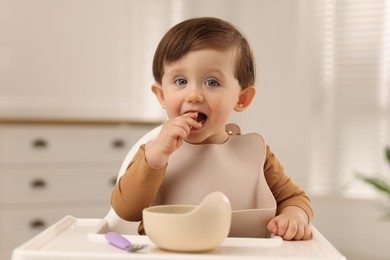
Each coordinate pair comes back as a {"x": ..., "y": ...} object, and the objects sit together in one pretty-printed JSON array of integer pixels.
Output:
[
  {"x": 152, "y": 134},
  {"x": 115, "y": 223}
]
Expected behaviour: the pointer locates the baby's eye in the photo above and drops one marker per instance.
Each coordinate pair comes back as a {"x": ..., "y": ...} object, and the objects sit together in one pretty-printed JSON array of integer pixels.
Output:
[
  {"x": 181, "y": 82},
  {"x": 212, "y": 83}
]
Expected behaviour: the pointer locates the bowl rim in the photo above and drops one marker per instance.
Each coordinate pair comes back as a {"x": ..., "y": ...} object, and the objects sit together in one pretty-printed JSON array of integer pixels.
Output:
[
  {"x": 151, "y": 210},
  {"x": 253, "y": 210}
]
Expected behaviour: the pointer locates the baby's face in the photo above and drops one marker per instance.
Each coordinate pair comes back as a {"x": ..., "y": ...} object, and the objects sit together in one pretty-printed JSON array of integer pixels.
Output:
[{"x": 202, "y": 81}]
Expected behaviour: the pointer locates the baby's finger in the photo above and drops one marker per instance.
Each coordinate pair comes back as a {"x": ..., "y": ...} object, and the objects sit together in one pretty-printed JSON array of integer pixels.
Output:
[
  {"x": 299, "y": 233},
  {"x": 307, "y": 233},
  {"x": 192, "y": 115},
  {"x": 282, "y": 227},
  {"x": 291, "y": 231},
  {"x": 272, "y": 226},
  {"x": 191, "y": 120}
]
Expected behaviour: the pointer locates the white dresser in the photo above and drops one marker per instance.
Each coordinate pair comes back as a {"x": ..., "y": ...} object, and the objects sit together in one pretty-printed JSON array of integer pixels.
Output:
[{"x": 48, "y": 171}]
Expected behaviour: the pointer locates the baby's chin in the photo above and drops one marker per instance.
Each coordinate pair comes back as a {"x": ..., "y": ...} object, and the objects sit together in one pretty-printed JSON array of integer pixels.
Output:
[
  {"x": 202, "y": 137},
  {"x": 196, "y": 138}
]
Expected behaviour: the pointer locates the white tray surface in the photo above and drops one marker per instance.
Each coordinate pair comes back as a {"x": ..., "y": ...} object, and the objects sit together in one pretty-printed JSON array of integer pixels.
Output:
[{"x": 73, "y": 238}]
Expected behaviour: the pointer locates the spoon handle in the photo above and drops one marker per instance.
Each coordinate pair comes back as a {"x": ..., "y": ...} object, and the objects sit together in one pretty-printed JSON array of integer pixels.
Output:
[{"x": 118, "y": 240}]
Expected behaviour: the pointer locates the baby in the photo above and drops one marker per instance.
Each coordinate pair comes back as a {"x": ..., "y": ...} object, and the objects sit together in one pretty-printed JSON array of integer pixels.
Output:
[{"x": 204, "y": 70}]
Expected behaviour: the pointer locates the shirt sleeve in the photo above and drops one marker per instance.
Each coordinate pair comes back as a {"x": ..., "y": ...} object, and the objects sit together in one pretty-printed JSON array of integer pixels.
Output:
[
  {"x": 137, "y": 188},
  {"x": 285, "y": 191}
]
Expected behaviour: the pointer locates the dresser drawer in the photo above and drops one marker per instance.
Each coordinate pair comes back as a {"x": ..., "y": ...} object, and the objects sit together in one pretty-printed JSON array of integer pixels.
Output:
[
  {"x": 49, "y": 185},
  {"x": 19, "y": 225},
  {"x": 68, "y": 143}
]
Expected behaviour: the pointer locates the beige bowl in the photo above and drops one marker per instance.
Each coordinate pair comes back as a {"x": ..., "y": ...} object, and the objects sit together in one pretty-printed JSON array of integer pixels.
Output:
[{"x": 189, "y": 228}]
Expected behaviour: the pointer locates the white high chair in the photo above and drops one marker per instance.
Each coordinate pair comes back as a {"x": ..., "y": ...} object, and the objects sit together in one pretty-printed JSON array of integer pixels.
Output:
[
  {"x": 79, "y": 242},
  {"x": 115, "y": 223}
]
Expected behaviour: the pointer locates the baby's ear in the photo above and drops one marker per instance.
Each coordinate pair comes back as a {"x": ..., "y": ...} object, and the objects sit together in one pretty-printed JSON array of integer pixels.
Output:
[
  {"x": 158, "y": 91},
  {"x": 245, "y": 98}
]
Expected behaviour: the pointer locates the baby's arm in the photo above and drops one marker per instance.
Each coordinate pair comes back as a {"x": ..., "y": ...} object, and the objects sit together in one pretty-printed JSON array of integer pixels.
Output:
[
  {"x": 294, "y": 210},
  {"x": 139, "y": 186},
  {"x": 292, "y": 223},
  {"x": 171, "y": 137}
]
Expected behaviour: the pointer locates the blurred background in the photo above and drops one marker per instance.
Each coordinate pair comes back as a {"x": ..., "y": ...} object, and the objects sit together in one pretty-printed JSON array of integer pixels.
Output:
[{"x": 75, "y": 81}]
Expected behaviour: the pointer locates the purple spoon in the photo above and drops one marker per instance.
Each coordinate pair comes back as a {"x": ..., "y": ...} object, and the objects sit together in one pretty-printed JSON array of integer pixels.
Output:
[{"x": 118, "y": 240}]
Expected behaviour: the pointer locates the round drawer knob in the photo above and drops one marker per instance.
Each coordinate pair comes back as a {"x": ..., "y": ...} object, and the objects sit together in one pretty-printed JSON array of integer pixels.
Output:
[
  {"x": 118, "y": 143},
  {"x": 39, "y": 143},
  {"x": 38, "y": 184},
  {"x": 37, "y": 224}
]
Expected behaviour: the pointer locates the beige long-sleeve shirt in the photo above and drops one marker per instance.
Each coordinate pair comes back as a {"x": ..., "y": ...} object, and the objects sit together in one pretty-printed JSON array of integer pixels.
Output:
[{"x": 139, "y": 187}]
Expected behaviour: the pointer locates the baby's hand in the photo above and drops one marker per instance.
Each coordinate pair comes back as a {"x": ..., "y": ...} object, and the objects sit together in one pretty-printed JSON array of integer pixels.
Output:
[
  {"x": 171, "y": 137},
  {"x": 291, "y": 224}
]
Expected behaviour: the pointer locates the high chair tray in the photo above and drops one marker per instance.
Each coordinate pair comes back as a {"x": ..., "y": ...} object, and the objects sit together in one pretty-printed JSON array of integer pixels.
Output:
[{"x": 74, "y": 239}]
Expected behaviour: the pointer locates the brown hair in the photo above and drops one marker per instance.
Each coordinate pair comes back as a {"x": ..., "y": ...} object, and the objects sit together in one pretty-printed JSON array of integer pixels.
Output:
[{"x": 205, "y": 33}]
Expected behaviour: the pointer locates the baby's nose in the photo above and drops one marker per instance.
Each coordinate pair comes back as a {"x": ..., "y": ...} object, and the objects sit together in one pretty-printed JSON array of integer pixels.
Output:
[{"x": 194, "y": 95}]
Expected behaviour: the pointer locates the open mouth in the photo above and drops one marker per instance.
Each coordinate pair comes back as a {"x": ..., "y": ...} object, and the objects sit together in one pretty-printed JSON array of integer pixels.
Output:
[{"x": 201, "y": 118}]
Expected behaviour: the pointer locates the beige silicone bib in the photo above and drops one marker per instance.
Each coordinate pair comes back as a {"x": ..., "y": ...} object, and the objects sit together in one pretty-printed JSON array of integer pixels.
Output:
[{"x": 234, "y": 168}]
